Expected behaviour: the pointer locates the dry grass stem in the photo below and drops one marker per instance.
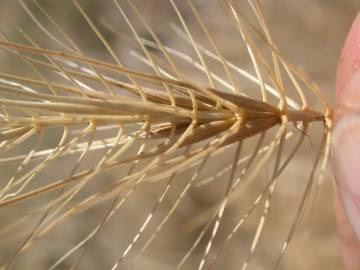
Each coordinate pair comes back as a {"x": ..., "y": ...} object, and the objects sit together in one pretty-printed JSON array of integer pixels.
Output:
[{"x": 88, "y": 137}]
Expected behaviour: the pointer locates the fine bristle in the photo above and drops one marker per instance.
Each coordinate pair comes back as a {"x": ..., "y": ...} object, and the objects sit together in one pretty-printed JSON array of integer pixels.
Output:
[{"x": 124, "y": 140}]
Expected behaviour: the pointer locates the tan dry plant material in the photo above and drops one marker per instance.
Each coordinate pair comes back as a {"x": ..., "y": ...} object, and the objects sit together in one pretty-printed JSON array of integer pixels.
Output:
[{"x": 95, "y": 139}]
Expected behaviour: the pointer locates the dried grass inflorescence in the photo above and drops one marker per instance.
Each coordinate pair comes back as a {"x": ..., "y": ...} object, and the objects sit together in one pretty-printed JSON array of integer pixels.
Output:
[{"x": 114, "y": 130}]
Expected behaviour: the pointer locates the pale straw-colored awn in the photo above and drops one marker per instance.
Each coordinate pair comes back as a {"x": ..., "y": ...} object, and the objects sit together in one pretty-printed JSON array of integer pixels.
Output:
[{"x": 84, "y": 135}]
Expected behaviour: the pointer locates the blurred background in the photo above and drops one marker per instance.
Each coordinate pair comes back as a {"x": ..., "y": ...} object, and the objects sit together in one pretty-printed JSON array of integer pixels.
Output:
[{"x": 310, "y": 35}]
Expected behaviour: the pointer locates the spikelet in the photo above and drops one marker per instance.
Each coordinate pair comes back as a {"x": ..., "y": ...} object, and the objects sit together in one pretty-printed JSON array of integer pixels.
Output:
[{"x": 103, "y": 153}]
